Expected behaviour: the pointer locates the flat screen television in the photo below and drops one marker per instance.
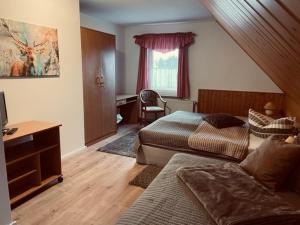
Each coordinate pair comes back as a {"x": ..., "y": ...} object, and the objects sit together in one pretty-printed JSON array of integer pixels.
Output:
[{"x": 3, "y": 110}]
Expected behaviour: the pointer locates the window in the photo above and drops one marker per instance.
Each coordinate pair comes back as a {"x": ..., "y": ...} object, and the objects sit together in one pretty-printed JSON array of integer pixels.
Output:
[{"x": 163, "y": 72}]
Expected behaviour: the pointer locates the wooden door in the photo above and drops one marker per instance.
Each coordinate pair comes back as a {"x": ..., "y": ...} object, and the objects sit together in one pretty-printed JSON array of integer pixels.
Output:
[{"x": 98, "y": 63}]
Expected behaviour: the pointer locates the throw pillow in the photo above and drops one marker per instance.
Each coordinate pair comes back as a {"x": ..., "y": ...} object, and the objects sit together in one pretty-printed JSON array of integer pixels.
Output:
[
  {"x": 272, "y": 162},
  {"x": 223, "y": 120},
  {"x": 264, "y": 126},
  {"x": 293, "y": 180}
]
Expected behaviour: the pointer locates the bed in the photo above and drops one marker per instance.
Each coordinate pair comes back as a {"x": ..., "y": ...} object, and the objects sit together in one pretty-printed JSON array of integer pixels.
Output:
[
  {"x": 169, "y": 135},
  {"x": 165, "y": 201}
]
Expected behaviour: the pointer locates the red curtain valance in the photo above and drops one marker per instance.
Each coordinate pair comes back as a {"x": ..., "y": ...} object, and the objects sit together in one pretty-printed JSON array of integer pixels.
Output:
[{"x": 165, "y": 41}]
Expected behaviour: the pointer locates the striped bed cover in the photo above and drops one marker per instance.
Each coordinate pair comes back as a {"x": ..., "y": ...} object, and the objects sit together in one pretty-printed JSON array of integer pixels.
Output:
[
  {"x": 231, "y": 141},
  {"x": 165, "y": 200}
]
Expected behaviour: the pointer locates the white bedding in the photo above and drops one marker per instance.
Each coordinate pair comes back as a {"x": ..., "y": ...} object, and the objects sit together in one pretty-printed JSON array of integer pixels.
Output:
[{"x": 254, "y": 142}]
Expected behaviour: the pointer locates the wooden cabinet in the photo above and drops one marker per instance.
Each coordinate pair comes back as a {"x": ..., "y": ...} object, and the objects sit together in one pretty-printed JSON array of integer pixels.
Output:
[
  {"x": 98, "y": 65},
  {"x": 33, "y": 158}
]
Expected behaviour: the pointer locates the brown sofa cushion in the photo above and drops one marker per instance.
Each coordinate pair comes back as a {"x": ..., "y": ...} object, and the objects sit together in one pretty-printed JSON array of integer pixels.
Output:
[
  {"x": 294, "y": 179},
  {"x": 272, "y": 162},
  {"x": 223, "y": 120}
]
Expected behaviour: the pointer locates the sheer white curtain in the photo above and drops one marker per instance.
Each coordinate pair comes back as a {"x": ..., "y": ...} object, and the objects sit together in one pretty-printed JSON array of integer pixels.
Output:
[{"x": 163, "y": 71}]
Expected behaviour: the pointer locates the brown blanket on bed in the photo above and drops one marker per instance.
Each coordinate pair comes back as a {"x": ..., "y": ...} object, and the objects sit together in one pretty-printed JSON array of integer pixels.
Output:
[
  {"x": 231, "y": 141},
  {"x": 232, "y": 197}
]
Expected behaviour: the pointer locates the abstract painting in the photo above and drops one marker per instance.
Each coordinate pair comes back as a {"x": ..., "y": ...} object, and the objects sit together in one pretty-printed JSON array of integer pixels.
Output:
[{"x": 27, "y": 50}]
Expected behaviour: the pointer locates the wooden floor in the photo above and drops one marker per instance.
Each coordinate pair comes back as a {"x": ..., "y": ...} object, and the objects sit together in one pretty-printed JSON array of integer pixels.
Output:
[{"x": 95, "y": 191}]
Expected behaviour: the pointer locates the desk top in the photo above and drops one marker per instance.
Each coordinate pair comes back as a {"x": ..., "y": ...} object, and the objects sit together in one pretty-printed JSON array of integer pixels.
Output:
[
  {"x": 28, "y": 128},
  {"x": 122, "y": 97}
]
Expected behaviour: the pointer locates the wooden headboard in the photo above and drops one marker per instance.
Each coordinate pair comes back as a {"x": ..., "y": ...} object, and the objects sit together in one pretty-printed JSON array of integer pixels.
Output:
[{"x": 236, "y": 102}]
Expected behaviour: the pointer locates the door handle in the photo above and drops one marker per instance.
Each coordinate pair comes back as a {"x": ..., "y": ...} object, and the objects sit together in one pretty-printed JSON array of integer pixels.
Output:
[{"x": 100, "y": 81}]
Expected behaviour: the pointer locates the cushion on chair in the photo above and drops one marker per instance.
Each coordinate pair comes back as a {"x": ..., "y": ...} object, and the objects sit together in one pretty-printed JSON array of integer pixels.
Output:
[
  {"x": 153, "y": 109},
  {"x": 150, "y": 97}
]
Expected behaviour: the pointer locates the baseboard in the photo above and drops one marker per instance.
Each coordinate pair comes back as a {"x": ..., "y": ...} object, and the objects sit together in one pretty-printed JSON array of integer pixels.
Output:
[{"x": 76, "y": 151}]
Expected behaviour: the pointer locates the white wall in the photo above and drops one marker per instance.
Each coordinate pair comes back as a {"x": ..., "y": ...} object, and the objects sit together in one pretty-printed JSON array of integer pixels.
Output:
[
  {"x": 216, "y": 61},
  {"x": 5, "y": 217},
  {"x": 51, "y": 99},
  {"x": 106, "y": 27}
]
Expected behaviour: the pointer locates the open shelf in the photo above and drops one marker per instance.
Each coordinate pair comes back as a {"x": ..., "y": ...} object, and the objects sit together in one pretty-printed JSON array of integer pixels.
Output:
[
  {"x": 25, "y": 150},
  {"x": 20, "y": 176},
  {"x": 34, "y": 189}
]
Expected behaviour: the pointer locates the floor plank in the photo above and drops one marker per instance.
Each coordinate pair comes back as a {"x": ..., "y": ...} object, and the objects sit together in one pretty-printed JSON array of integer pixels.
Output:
[{"x": 95, "y": 190}]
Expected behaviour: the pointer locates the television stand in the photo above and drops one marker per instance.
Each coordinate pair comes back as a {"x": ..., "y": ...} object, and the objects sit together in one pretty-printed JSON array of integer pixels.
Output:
[{"x": 33, "y": 159}]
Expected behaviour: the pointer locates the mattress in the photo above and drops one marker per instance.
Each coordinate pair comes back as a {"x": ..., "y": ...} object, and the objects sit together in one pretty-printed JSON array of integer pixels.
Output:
[
  {"x": 166, "y": 201},
  {"x": 172, "y": 133}
]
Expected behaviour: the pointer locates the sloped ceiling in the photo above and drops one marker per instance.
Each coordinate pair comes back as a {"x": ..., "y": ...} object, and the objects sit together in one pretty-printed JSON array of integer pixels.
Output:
[{"x": 269, "y": 32}]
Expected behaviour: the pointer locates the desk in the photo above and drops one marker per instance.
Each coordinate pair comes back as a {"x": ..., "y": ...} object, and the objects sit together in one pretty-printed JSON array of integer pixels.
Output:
[{"x": 127, "y": 106}]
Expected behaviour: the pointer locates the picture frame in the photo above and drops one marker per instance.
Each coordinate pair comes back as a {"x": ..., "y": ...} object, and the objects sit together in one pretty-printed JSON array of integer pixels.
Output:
[{"x": 28, "y": 50}]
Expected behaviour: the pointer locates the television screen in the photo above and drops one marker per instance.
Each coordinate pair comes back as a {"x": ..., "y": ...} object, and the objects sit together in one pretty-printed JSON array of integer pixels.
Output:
[{"x": 3, "y": 111}]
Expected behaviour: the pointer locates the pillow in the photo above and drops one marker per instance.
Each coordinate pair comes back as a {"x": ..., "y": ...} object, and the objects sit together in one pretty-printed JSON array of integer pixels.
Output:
[
  {"x": 264, "y": 126},
  {"x": 293, "y": 181},
  {"x": 258, "y": 119},
  {"x": 272, "y": 162},
  {"x": 223, "y": 120}
]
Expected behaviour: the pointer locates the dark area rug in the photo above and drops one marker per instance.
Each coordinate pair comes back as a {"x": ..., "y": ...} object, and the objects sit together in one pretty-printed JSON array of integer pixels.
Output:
[
  {"x": 144, "y": 178},
  {"x": 122, "y": 146}
]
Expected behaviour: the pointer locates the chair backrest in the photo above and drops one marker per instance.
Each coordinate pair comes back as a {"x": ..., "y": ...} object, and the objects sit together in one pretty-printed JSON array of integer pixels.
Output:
[{"x": 149, "y": 97}]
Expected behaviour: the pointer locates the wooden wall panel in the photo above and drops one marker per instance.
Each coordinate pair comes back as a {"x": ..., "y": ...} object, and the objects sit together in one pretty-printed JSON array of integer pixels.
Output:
[
  {"x": 292, "y": 109},
  {"x": 269, "y": 32},
  {"x": 236, "y": 102}
]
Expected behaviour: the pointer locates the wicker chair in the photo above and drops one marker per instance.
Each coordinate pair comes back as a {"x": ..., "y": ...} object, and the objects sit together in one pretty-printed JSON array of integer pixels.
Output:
[{"x": 149, "y": 104}]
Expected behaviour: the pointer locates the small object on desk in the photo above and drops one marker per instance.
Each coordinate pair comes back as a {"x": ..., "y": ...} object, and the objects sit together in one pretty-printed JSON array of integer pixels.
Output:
[
  {"x": 11, "y": 131},
  {"x": 4, "y": 130},
  {"x": 119, "y": 118}
]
